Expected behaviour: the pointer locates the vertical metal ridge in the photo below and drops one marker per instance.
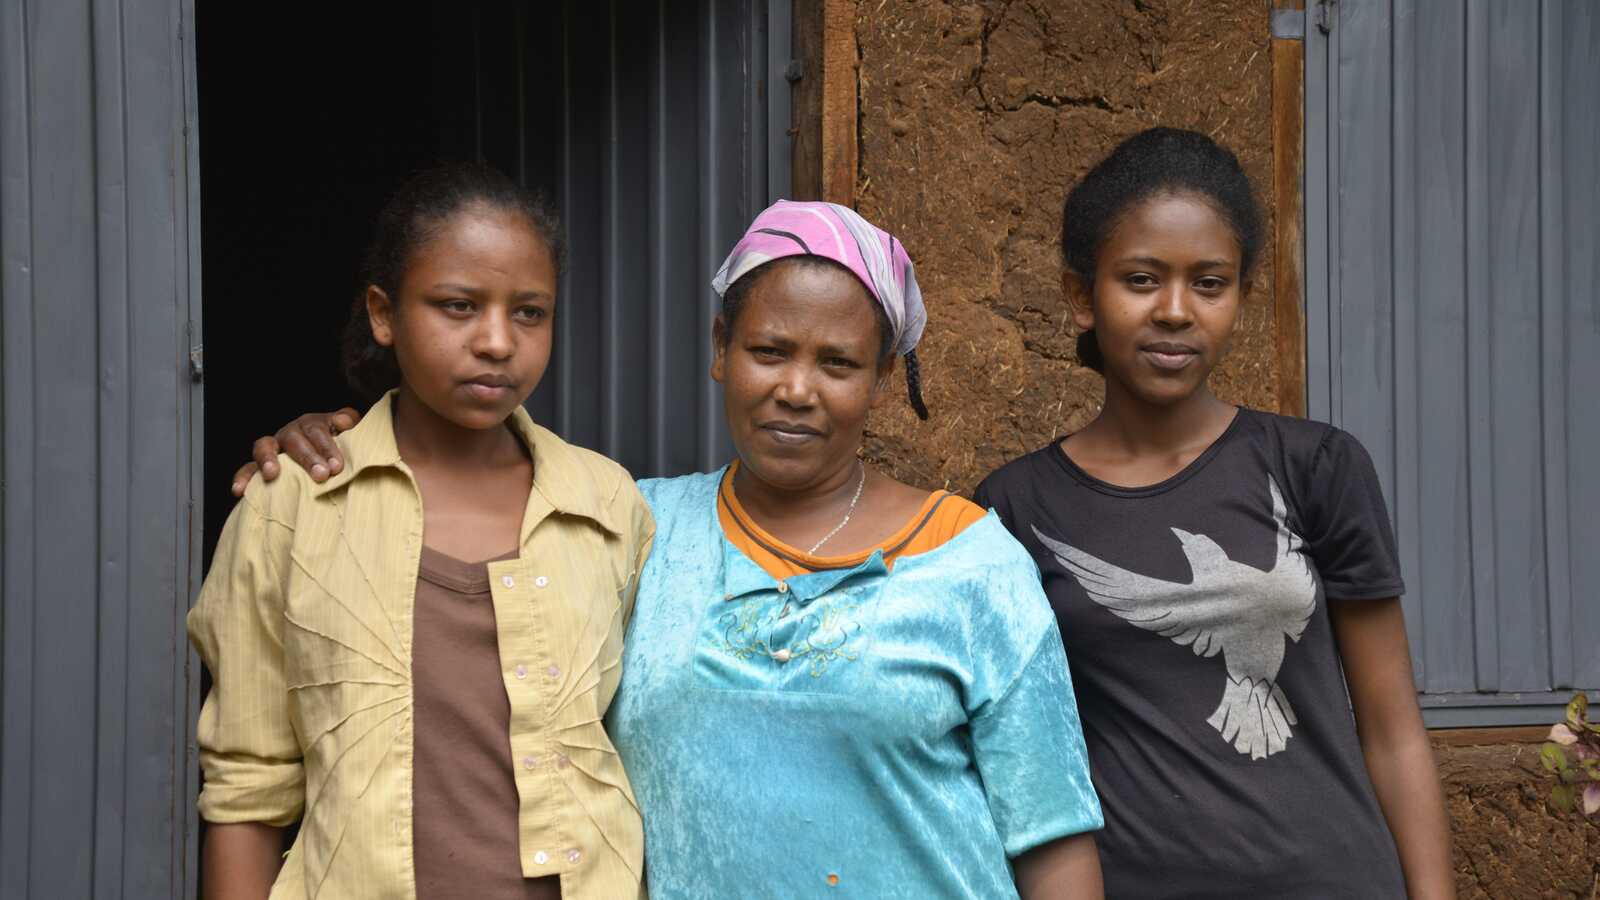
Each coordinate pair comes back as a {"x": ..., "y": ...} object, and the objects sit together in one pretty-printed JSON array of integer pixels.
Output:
[
  {"x": 1404, "y": 309},
  {"x": 17, "y": 569},
  {"x": 564, "y": 349},
  {"x": 1552, "y": 356},
  {"x": 1319, "y": 254},
  {"x": 710, "y": 222},
  {"x": 660, "y": 290},
  {"x": 612, "y": 252},
  {"x": 1485, "y": 607}
]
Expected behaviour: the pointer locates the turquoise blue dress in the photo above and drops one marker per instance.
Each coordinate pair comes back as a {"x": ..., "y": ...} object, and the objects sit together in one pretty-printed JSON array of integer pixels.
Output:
[{"x": 850, "y": 733}]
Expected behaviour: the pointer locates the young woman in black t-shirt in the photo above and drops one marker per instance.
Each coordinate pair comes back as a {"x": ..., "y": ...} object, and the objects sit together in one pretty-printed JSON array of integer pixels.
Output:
[{"x": 1225, "y": 579}]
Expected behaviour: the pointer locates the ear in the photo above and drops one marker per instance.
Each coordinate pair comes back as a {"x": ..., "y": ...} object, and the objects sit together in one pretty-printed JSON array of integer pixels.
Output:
[
  {"x": 719, "y": 348},
  {"x": 880, "y": 388},
  {"x": 380, "y": 315},
  {"x": 1080, "y": 298}
]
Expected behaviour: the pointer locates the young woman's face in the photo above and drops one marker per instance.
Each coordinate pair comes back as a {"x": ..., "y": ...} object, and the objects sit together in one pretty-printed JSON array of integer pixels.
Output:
[
  {"x": 1166, "y": 295},
  {"x": 471, "y": 327},
  {"x": 799, "y": 373}
]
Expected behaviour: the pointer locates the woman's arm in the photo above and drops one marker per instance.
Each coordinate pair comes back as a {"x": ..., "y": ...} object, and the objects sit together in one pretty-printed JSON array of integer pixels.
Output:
[
  {"x": 1377, "y": 666},
  {"x": 308, "y": 440},
  {"x": 241, "y": 861},
  {"x": 1061, "y": 869}
]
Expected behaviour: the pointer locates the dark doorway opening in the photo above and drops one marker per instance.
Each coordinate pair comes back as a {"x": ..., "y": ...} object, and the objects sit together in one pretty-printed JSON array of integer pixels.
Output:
[{"x": 306, "y": 126}]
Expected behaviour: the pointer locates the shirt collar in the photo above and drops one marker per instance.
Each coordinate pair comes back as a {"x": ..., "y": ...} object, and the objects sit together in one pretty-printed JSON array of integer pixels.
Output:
[
  {"x": 741, "y": 575},
  {"x": 559, "y": 474}
]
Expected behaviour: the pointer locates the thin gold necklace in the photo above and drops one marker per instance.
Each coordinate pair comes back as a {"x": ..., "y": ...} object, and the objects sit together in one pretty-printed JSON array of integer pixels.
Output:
[{"x": 846, "y": 520}]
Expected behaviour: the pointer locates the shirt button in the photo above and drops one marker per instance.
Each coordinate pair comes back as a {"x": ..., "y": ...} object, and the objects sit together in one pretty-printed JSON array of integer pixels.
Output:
[
  {"x": 508, "y": 581},
  {"x": 727, "y": 596},
  {"x": 782, "y": 655},
  {"x": 541, "y": 581},
  {"x": 553, "y": 671},
  {"x": 573, "y": 856},
  {"x": 522, "y": 671},
  {"x": 783, "y": 587},
  {"x": 529, "y": 763},
  {"x": 561, "y": 761},
  {"x": 541, "y": 857}
]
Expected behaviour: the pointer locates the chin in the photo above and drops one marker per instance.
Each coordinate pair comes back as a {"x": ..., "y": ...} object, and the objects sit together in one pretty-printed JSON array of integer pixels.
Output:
[{"x": 783, "y": 472}]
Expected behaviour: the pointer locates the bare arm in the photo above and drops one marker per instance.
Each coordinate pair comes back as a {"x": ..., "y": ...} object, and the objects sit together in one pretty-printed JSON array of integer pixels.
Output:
[
  {"x": 1061, "y": 869},
  {"x": 308, "y": 440},
  {"x": 241, "y": 860},
  {"x": 1377, "y": 667}
]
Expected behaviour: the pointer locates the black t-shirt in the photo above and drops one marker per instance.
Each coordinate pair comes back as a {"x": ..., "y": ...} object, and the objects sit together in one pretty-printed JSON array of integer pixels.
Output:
[{"x": 1195, "y": 618}]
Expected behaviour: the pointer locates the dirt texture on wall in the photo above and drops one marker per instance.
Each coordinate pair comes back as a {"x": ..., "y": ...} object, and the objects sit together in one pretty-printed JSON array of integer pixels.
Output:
[
  {"x": 1508, "y": 842},
  {"x": 975, "y": 119}
]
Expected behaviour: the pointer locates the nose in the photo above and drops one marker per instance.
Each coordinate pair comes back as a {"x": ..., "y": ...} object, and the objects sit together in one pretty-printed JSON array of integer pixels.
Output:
[
  {"x": 494, "y": 337},
  {"x": 795, "y": 388},
  {"x": 1174, "y": 308}
]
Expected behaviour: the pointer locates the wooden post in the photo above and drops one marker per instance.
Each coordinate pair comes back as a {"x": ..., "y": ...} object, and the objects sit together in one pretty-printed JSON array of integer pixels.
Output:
[
  {"x": 824, "y": 104},
  {"x": 1288, "y": 170}
]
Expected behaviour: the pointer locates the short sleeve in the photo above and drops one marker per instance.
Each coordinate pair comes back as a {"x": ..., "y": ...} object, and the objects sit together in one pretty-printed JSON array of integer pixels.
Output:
[
  {"x": 1028, "y": 745},
  {"x": 1346, "y": 523},
  {"x": 248, "y": 749},
  {"x": 641, "y": 539}
]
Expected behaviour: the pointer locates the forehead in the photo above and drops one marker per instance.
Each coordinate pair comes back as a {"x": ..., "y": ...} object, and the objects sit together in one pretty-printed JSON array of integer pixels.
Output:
[
  {"x": 1172, "y": 225},
  {"x": 486, "y": 240},
  {"x": 808, "y": 303}
]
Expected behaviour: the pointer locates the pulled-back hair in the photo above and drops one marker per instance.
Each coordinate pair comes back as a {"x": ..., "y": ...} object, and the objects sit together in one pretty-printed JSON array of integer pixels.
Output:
[
  {"x": 1154, "y": 162},
  {"x": 411, "y": 218}
]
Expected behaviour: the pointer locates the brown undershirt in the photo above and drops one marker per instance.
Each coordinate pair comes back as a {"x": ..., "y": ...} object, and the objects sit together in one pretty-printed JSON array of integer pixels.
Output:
[{"x": 466, "y": 803}]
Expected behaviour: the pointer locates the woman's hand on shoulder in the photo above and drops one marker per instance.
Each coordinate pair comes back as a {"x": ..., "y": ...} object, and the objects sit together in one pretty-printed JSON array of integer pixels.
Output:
[{"x": 309, "y": 441}]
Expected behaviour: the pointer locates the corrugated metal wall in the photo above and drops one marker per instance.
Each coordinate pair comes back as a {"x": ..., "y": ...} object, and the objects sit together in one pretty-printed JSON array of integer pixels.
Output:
[
  {"x": 96, "y": 287},
  {"x": 1454, "y": 325},
  {"x": 671, "y": 123}
]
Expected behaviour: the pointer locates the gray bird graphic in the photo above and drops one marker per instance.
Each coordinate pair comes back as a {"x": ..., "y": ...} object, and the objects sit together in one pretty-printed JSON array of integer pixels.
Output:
[{"x": 1227, "y": 607}]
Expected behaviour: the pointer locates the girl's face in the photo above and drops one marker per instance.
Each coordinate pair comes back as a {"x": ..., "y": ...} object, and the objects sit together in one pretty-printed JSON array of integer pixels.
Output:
[
  {"x": 471, "y": 327},
  {"x": 1166, "y": 295},
  {"x": 799, "y": 372}
]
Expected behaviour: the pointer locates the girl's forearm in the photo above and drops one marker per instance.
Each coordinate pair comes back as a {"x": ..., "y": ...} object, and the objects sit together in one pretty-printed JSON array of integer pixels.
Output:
[
  {"x": 241, "y": 861},
  {"x": 1062, "y": 869},
  {"x": 1405, "y": 780}
]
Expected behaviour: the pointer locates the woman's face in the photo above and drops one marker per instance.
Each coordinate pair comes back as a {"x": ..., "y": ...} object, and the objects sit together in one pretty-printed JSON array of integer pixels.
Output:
[
  {"x": 471, "y": 327},
  {"x": 1165, "y": 298},
  {"x": 799, "y": 372}
]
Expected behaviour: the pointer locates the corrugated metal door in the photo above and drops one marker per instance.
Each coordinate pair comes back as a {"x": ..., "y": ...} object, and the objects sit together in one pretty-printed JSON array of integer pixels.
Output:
[
  {"x": 669, "y": 124},
  {"x": 1454, "y": 324},
  {"x": 96, "y": 284}
]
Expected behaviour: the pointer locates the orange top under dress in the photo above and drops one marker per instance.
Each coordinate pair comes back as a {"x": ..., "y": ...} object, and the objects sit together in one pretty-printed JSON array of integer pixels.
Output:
[{"x": 942, "y": 516}]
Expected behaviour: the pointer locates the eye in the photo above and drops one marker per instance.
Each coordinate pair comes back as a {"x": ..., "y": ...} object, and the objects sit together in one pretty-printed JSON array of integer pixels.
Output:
[
  {"x": 1141, "y": 280},
  {"x": 840, "y": 362},
  {"x": 456, "y": 306},
  {"x": 768, "y": 353},
  {"x": 1211, "y": 283},
  {"x": 530, "y": 313}
]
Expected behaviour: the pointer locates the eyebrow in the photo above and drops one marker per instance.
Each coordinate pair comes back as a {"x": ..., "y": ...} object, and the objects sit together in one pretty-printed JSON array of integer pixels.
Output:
[
  {"x": 1156, "y": 263},
  {"x": 452, "y": 287}
]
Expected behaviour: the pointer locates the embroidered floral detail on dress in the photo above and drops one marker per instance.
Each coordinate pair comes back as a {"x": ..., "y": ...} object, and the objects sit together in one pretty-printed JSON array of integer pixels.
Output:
[{"x": 821, "y": 631}]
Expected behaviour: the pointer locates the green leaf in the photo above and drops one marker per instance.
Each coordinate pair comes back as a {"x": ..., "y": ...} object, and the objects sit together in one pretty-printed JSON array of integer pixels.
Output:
[
  {"x": 1562, "y": 797},
  {"x": 1577, "y": 711},
  {"x": 1553, "y": 758}
]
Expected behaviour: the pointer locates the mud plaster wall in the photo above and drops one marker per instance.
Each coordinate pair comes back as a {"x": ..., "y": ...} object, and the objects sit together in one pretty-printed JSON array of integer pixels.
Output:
[
  {"x": 974, "y": 120},
  {"x": 1508, "y": 843}
]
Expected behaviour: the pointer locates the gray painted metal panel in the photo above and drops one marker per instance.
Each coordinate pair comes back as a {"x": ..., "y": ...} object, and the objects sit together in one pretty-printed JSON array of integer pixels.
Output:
[
  {"x": 95, "y": 280},
  {"x": 1453, "y": 326}
]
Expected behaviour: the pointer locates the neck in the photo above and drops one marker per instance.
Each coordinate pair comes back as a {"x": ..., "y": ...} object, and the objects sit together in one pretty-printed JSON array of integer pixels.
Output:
[
  {"x": 1139, "y": 427},
  {"x": 424, "y": 437},
  {"x": 772, "y": 503}
]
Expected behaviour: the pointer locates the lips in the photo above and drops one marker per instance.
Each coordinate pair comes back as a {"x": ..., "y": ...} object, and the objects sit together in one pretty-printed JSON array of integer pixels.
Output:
[
  {"x": 789, "y": 432},
  {"x": 1169, "y": 355},
  {"x": 489, "y": 386}
]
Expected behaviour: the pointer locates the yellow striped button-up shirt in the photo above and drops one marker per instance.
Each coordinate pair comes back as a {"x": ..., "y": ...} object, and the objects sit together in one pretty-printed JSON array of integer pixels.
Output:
[{"x": 305, "y": 621}]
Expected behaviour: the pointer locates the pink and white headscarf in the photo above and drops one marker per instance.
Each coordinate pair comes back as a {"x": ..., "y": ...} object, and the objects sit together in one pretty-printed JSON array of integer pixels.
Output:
[{"x": 814, "y": 228}]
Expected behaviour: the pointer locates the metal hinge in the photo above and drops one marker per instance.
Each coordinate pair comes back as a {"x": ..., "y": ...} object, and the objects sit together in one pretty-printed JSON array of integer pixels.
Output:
[
  {"x": 1289, "y": 24},
  {"x": 197, "y": 356}
]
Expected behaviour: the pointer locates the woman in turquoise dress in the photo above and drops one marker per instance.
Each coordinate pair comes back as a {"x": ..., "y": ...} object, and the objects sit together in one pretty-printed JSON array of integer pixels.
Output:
[{"x": 892, "y": 717}]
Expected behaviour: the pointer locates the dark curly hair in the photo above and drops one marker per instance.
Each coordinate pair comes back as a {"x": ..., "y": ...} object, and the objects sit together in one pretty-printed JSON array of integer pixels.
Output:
[
  {"x": 1154, "y": 162},
  {"x": 411, "y": 218}
]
